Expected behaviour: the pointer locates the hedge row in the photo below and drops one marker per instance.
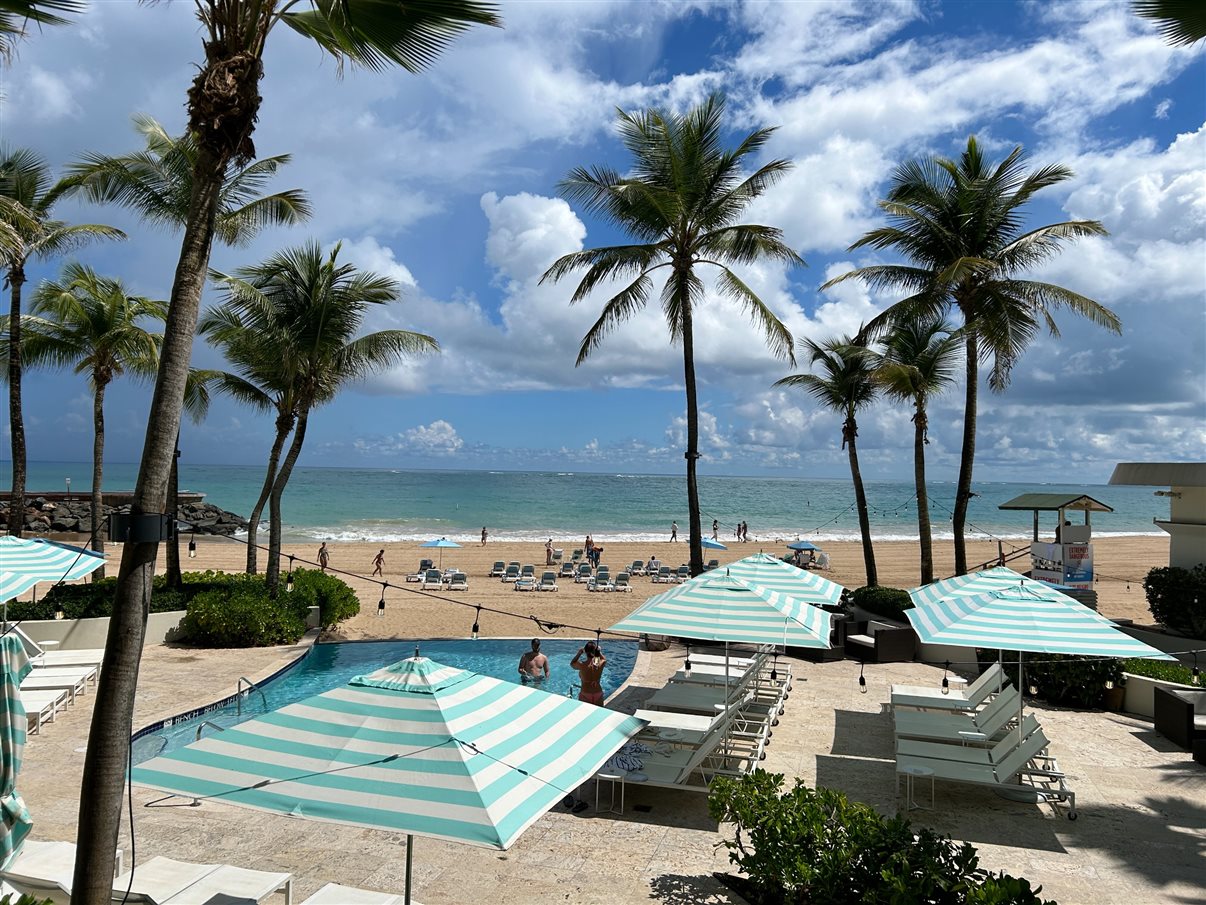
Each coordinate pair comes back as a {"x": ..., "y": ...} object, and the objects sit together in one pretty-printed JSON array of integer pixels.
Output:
[
  {"x": 1177, "y": 598},
  {"x": 890, "y": 603}
]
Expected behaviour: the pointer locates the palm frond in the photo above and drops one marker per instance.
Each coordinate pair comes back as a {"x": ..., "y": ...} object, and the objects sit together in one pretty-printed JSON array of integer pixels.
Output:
[
  {"x": 618, "y": 309},
  {"x": 1180, "y": 22},
  {"x": 778, "y": 337}
]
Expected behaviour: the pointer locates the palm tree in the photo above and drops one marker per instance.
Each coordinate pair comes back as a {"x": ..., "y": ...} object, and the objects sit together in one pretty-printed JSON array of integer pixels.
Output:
[
  {"x": 196, "y": 406},
  {"x": 223, "y": 106},
  {"x": 289, "y": 325},
  {"x": 959, "y": 225},
  {"x": 1181, "y": 22},
  {"x": 90, "y": 324},
  {"x": 917, "y": 363},
  {"x": 680, "y": 204},
  {"x": 14, "y": 14},
  {"x": 846, "y": 384},
  {"x": 30, "y": 195}
]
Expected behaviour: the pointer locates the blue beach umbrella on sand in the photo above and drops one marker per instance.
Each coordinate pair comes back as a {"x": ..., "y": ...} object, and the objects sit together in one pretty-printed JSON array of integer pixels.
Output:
[
  {"x": 803, "y": 545},
  {"x": 417, "y": 747},
  {"x": 708, "y": 544},
  {"x": 442, "y": 543},
  {"x": 15, "y": 822}
]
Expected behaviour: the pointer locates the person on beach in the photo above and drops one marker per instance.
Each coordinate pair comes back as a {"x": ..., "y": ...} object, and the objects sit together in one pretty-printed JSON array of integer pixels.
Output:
[
  {"x": 324, "y": 557},
  {"x": 715, "y": 529},
  {"x": 673, "y": 532},
  {"x": 548, "y": 552},
  {"x": 379, "y": 562},
  {"x": 589, "y": 546},
  {"x": 590, "y": 672},
  {"x": 533, "y": 663},
  {"x": 484, "y": 535}
]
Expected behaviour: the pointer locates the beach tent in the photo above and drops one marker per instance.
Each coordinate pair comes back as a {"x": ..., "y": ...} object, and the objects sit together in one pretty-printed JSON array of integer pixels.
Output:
[
  {"x": 442, "y": 543},
  {"x": 24, "y": 562},
  {"x": 417, "y": 747},
  {"x": 998, "y": 578},
  {"x": 709, "y": 544},
  {"x": 774, "y": 574},
  {"x": 16, "y": 822}
]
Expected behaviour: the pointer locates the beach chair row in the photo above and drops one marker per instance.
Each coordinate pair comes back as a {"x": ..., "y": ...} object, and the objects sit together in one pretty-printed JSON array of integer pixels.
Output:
[
  {"x": 435, "y": 580},
  {"x": 975, "y": 737},
  {"x": 56, "y": 680}
]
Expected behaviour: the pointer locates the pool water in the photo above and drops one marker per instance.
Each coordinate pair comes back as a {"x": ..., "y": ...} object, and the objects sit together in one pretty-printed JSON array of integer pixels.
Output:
[{"x": 328, "y": 666}]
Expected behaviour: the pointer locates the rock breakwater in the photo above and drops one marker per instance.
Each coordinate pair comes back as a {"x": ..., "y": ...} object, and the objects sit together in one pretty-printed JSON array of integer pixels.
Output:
[{"x": 43, "y": 516}]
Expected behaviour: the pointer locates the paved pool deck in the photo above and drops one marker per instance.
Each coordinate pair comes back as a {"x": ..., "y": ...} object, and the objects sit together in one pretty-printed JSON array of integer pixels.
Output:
[{"x": 1140, "y": 838}]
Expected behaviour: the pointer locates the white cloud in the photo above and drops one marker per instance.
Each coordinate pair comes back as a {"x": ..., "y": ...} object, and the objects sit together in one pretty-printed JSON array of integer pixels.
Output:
[
  {"x": 1162, "y": 108},
  {"x": 437, "y": 439}
]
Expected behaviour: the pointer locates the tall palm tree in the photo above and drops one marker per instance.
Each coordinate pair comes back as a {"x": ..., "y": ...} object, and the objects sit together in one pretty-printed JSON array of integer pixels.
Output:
[
  {"x": 917, "y": 362},
  {"x": 680, "y": 203},
  {"x": 31, "y": 193},
  {"x": 290, "y": 326},
  {"x": 196, "y": 406},
  {"x": 16, "y": 15},
  {"x": 1181, "y": 22},
  {"x": 959, "y": 224},
  {"x": 223, "y": 106},
  {"x": 845, "y": 384},
  {"x": 91, "y": 324}
]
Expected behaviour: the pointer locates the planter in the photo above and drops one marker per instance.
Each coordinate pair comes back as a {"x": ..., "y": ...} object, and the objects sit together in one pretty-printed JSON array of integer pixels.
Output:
[{"x": 1140, "y": 694}]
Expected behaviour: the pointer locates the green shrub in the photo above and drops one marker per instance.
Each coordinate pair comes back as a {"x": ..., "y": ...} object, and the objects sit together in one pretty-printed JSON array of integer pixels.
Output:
[
  {"x": 336, "y": 601},
  {"x": 1165, "y": 670},
  {"x": 1177, "y": 598},
  {"x": 1069, "y": 680},
  {"x": 23, "y": 899},
  {"x": 95, "y": 599},
  {"x": 816, "y": 846},
  {"x": 242, "y": 615},
  {"x": 890, "y": 603}
]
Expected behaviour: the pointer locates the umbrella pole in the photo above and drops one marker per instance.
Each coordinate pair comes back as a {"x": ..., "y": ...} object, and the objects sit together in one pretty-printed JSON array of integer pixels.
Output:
[
  {"x": 1021, "y": 696},
  {"x": 410, "y": 845}
]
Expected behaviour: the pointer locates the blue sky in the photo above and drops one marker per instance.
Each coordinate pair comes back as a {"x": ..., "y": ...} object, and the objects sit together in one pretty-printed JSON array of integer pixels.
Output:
[{"x": 448, "y": 181}]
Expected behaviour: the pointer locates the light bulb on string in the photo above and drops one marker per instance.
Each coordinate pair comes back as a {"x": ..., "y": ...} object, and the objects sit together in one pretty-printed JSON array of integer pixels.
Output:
[
  {"x": 1195, "y": 675},
  {"x": 774, "y": 677},
  {"x": 1032, "y": 689},
  {"x": 1109, "y": 684},
  {"x": 381, "y": 602},
  {"x": 687, "y": 662},
  {"x": 289, "y": 576},
  {"x": 946, "y": 683},
  {"x": 192, "y": 545},
  {"x": 476, "y": 626},
  {"x": 59, "y": 612},
  {"x": 862, "y": 680}
]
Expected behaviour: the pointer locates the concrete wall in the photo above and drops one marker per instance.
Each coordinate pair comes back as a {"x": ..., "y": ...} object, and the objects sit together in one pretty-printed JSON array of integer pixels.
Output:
[
  {"x": 1140, "y": 697},
  {"x": 87, "y": 634}
]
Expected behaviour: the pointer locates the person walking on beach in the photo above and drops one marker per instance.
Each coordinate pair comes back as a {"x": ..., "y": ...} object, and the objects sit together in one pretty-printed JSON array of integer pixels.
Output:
[
  {"x": 323, "y": 556},
  {"x": 532, "y": 663},
  {"x": 379, "y": 562},
  {"x": 484, "y": 535},
  {"x": 715, "y": 530},
  {"x": 548, "y": 552},
  {"x": 673, "y": 532}
]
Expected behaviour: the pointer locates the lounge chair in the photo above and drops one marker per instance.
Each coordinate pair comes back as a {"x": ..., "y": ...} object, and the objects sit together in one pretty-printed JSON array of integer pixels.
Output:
[
  {"x": 433, "y": 580},
  {"x": 525, "y": 584},
  {"x": 584, "y": 573},
  {"x": 548, "y": 581},
  {"x": 458, "y": 582},
  {"x": 881, "y": 642},
  {"x": 712, "y": 564},
  {"x": 683, "y": 573},
  {"x": 566, "y": 570},
  {"x": 601, "y": 581},
  {"x": 637, "y": 567},
  {"x": 954, "y": 749},
  {"x": 976, "y": 727},
  {"x": 693, "y": 768},
  {"x": 334, "y": 894},
  {"x": 44, "y": 869},
  {"x": 528, "y": 571},
  {"x": 420, "y": 574},
  {"x": 576, "y": 556},
  {"x": 925, "y": 697},
  {"x": 512, "y": 573},
  {"x": 621, "y": 583},
  {"x": 40, "y": 656},
  {"x": 1015, "y": 770},
  {"x": 1180, "y": 715},
  {"x": 664, "y": 576},
  {"x": 73, "y": 681},
  {"x": 497, "y": 571},
  {"x": 42, "y": 706}
]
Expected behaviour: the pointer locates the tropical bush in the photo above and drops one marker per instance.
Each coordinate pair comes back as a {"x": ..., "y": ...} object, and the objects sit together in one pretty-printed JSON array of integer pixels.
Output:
[
  {"x": 1068, "y": 680},
  {"x": 1164, "y": 670},
  {"x": 815, "y": 846},
  {"x": 23, "y": 899},
  {"x": 242, "y": 616},
  {"x": 1177, "y": 598},
  {"x": 890, "y": 603},
  {"x": 336, "y": 601},
  {"x": 95, "y": 599}
]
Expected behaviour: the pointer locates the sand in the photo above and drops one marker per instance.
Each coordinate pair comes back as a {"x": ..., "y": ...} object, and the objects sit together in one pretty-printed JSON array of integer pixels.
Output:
[{"x": 411, "y": 614}]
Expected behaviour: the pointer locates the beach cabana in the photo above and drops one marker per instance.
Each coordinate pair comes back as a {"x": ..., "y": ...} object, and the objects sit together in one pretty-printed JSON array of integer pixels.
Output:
[
  {"x": 417, "y": 747},
  {"x": 25, "y": 562},
  {"x": 772, "y": 573},
  {"x": 442, "y": 544},
  {"x": 15, "y": 822}
]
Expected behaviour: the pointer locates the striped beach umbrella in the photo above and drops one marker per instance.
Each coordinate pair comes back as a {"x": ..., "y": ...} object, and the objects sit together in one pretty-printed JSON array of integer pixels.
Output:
[
  {"x": 774, "y": 574},
  {"x": 417, "y": 747},
  {"x": 16, "y": 822},
  {"x": 998, "y": 578},
  {"x": 717, "y": 606},
  {"x": 24, "y": 562}
]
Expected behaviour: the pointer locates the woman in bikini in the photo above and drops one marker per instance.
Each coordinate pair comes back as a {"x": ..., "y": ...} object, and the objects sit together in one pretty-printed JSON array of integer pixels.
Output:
[{"x": 590, "y": 671}]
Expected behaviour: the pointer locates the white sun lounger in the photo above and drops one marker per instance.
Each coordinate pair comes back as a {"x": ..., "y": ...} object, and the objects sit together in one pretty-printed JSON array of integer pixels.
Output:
[
  {"x": 968, "y": 727},
  {"x": 42, "y": 705},
  {"x": 990, "y": 681},
  {"x": 334, "y": 894},
  {"x": 40, "y": 656},
  {"x": 164, "y": 881},
  {"x": 954, "y": 749},
  {"x": 74, "y": 685},
  {"x": 46, "y": 869}
]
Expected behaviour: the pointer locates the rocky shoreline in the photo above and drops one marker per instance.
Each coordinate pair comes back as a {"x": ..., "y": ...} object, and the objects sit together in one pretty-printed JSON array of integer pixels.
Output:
[{"x": 44, "y": 516}]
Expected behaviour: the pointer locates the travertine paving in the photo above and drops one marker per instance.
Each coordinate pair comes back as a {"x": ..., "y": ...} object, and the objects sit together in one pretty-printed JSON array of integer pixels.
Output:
[{"x": 1141, "y": 836}]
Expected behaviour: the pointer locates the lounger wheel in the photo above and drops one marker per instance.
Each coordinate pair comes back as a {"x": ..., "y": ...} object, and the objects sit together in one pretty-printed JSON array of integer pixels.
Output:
[{"x": 1072, "y": 814}]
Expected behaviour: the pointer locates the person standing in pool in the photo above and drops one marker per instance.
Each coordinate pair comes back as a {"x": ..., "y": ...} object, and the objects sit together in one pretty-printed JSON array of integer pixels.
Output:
[
  {"x": 533, "y": 663},
  {"x": 590, "y": 672}
]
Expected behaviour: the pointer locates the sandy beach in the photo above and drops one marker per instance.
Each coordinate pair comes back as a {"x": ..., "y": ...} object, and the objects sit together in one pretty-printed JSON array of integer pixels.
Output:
[{"x": 413, "y": 614}]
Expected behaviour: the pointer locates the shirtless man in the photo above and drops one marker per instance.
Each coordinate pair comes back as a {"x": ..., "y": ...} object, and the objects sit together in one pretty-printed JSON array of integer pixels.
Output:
[
  {"x": 532, "y": 663},
  {"x": 590, "y": 671}
]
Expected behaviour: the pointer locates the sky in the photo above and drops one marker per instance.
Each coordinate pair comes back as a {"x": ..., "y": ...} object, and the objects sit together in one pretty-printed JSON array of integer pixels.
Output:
[{"x": 447, "y": 181}]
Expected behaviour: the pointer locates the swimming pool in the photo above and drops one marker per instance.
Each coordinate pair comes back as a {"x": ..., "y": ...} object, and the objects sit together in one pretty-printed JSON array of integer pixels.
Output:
[{"x": 328, "y": 666}]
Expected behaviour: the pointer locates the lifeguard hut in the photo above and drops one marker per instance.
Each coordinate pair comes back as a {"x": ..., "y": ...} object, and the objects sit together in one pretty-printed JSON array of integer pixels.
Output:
[{"x": 1068, "y": 559}]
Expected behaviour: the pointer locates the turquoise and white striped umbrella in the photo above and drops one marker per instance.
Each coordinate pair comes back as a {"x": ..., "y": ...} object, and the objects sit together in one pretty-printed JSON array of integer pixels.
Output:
[
  {"x": 998, "y": 578},
  {"x": 774, "y": 574},
  {"x": 1033, "y": 619},
  {"x": 16, "y": 820},
  {"x": 26, "y": 561},
  {"x": 719, "y": 607},
  {"x": 417, "y": 747}
]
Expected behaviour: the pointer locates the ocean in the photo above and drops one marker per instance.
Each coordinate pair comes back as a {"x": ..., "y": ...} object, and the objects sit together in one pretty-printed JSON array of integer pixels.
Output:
[{"x": 361, "y": 504}]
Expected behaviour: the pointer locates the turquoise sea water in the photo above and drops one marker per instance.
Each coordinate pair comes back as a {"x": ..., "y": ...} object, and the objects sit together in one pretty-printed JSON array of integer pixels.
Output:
[
  {"x": 350, "y": 504},
  {"x": 328, "y": 666}
]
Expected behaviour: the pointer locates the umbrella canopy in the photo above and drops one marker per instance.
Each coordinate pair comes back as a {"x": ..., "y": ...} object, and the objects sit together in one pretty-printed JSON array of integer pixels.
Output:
[
  {"x": 1030, "y": 619},
  {"x": 998, "y": 578},
  {"x": 719, "y": 607},
  {"x": 16, "y": 822},
  {"x": 803, "y": 545},
  {"x": 417, "y": 747},
  {"x": 708, "y": 544},
  {"x": 26, "y": 561},
  {"x": 772, "y": 573},
  {"x": 441, "y": 543}
]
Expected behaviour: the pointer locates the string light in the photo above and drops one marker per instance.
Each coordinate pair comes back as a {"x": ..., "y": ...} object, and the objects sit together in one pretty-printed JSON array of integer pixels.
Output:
[
  {"x": 862, "y": 680},
  {"x": 476, "y": 627},
  {"x": 289, "y": 576},
  {"x": 687, "y": 662},
  {"x": 1195, "y": 675},
  {"x": 381, "y": 602},
  {"x": 1109, "y": 684},
  {"x": 192, "y": 545},
  {"x": 946, "y": 683},
  {"x": 774, "y": 677},
  {"x": 58, "y": 611}
]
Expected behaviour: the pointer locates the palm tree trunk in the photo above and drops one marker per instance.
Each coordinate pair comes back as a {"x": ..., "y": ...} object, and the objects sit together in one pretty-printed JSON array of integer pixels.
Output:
[
  {"x": 923, "y": 500},
  {"x": 968, "y": 455},
  {"x": 692, "y": 454},
  {"x": 284, "y": 424},
  {"x": 849, "y": 432},
  {"x": 175, "y": 580},
  {"x": 272, "y": 573},
  {"x": 109, "y": 736},
  {"x": 98, "y": 472},
  {"x": 16, "y": 420}
]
